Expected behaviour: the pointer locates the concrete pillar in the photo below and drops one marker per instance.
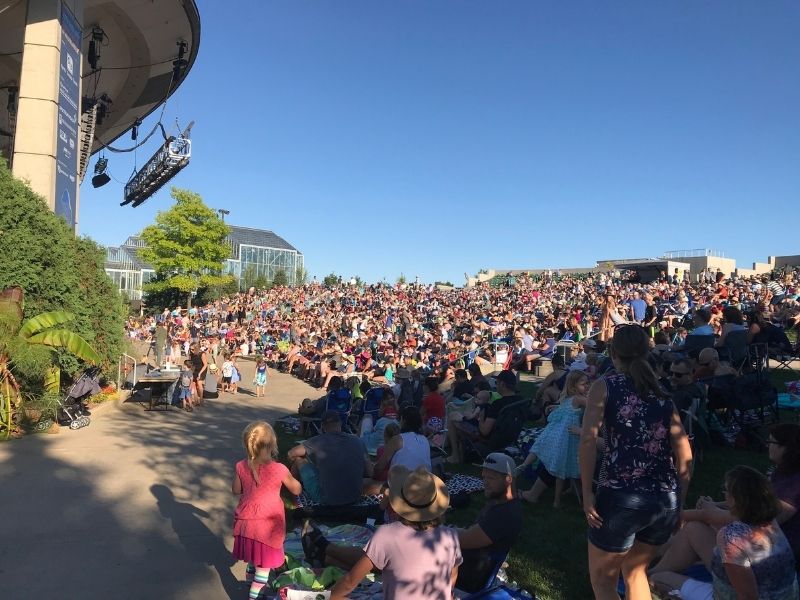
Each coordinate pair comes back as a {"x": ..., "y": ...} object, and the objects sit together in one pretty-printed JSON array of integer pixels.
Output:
[{"x": 37, "y": 113}]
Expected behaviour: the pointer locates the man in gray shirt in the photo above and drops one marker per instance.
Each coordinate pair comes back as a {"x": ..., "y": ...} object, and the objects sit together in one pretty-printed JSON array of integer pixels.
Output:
[{"x": 331, "y": 465}]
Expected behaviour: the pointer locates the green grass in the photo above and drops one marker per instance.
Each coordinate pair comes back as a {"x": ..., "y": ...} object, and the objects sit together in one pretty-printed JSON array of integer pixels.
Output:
[{"x": 550, "y": 555}]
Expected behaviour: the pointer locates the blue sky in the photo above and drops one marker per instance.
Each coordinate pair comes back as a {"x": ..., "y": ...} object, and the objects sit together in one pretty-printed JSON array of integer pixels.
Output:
[{"x": 437, "y": 138}]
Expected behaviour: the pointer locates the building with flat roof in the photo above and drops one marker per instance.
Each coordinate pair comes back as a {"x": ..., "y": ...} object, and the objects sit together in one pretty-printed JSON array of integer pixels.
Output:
[
  {"x": 694, "y": 261},
  {"x": 255, "y": 253},
  {"x": 75, "y": 75}
]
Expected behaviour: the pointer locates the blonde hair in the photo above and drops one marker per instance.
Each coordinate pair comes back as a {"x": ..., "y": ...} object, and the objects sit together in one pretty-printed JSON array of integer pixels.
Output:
[
  {"x": 257, "y": 437},
  {"x": 573, "y": 378}
]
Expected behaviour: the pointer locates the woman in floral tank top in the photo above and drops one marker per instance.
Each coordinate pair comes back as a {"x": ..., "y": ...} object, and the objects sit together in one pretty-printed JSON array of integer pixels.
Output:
[{"x": 645, "y": 468}]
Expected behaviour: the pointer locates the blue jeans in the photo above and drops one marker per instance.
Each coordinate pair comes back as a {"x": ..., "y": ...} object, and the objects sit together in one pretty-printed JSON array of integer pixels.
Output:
[{"x": 628, "y": 516}]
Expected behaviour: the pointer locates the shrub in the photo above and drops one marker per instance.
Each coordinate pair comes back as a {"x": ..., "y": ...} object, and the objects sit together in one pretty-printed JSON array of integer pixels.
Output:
[{"x": 58, "y": 271}]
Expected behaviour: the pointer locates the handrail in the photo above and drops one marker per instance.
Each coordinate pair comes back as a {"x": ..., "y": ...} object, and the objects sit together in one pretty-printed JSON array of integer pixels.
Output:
[{"x": 122, "y": 360}]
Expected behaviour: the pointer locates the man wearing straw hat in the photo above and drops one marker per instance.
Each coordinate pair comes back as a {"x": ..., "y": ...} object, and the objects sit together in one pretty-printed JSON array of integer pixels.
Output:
[{"x": 417, "y": 554}]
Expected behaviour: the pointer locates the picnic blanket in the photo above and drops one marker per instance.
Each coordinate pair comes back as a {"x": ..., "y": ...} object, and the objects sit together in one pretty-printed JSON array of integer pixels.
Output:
[
  {"x": 525, "y": 440},
  {"x": 456, "y": 484}
]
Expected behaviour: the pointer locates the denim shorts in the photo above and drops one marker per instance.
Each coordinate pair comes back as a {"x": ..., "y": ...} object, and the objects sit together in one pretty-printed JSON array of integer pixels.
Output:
[{"x": 627, "y": 516}]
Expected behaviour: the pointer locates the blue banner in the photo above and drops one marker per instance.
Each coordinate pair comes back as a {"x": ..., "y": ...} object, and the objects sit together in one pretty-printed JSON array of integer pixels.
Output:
[{"x": 69, "y": 93}]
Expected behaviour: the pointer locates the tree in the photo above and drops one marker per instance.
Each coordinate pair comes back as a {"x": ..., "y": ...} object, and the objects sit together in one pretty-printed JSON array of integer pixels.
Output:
[
  {"x": 331, "y": 280},
  {"x": 262, "y": 283},
  {"x": 401, "y": 279},
  {"x": 249, "y": 277},
  {"x": 58, "y": 272},
  {"x": 280, "y": 277},
  {"x": 300, "y": 276},
  {"x": 186, "y": 246}
]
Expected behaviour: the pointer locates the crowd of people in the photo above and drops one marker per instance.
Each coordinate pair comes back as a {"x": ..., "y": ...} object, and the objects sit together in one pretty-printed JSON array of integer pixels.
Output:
[{"x": 614, "y": 408}]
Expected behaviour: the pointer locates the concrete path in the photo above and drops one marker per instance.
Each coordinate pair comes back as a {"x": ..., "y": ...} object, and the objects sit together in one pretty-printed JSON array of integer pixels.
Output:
[{"x": 137, "y": 505}]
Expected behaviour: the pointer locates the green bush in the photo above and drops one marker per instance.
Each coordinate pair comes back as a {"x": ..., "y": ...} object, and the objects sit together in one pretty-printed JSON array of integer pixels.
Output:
[{"x": 58, "y": 271}]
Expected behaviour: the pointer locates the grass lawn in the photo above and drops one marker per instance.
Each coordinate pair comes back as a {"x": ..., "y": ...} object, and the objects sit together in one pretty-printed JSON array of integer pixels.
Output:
[{"x": 550, "y": 556}]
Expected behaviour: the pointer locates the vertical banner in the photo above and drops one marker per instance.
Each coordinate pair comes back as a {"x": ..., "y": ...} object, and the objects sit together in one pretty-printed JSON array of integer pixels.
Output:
[{"x": 69, "y": 89}]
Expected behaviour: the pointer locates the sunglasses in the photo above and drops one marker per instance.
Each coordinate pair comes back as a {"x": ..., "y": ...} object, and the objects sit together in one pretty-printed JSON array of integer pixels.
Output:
[{"x": 678, "y": 374}]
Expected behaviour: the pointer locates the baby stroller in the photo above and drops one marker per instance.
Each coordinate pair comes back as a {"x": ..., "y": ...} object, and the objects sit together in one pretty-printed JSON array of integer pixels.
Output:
[{"x": 73, "y": 411}]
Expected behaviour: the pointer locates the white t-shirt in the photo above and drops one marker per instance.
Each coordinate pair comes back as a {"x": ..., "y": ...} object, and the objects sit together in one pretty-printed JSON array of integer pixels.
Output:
[{"x": 227, "y": 369}]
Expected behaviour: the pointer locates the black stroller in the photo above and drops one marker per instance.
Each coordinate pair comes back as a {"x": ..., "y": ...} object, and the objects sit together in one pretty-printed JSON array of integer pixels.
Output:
[{"x": 73, "y": 411}]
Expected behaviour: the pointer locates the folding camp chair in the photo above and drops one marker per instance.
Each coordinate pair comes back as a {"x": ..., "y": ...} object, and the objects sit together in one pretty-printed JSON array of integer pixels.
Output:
[
  {"x": 785, "y": 356},
  {"x": 505, "y": 432},
  {"x": 497, "y": 558},
  {"x": 695, "y": 343},
  {"x": 735, "y": 349},
  {"x": 339, "y": 400},
  {"x": 370, "y": 407}
]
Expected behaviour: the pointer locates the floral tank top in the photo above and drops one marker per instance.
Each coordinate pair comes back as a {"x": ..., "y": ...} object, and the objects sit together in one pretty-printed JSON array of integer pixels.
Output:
[{"x": 638, "y": 454}]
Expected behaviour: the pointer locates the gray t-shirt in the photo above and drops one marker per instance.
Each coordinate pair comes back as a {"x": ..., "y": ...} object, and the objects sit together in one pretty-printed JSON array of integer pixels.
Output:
[{"x": 339, "y": 458}]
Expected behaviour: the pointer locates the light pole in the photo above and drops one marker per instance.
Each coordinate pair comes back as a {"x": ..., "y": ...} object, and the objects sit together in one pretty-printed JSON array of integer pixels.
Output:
[{"x": 222, "y": 212}]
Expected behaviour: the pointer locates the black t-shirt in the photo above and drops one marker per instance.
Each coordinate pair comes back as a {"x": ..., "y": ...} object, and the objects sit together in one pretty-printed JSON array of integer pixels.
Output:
[
  {"x": 493, "y": 410},
  {"x": 501, "y": 523}
]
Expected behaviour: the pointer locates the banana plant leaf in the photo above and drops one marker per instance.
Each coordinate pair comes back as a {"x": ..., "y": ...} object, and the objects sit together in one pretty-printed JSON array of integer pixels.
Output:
[
  {"x": 44, "y": 321},
  {"x": 72, "y": 342}
]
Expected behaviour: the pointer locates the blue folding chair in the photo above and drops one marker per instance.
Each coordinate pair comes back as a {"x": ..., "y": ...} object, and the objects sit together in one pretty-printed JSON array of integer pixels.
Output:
[
  {"x": 498, "y": 558},
  {"x": 341, "y": 401},
  {"x": 370, "y": 406}
]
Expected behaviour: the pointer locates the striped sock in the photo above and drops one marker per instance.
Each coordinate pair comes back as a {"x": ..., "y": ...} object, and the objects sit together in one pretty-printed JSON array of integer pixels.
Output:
[
  {"x": 259, "y": 581},
  {"x": 249, "y": 572}
]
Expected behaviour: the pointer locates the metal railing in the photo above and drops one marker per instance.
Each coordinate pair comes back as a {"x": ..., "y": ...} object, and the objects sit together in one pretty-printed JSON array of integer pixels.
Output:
[{"x": 695, "y": 252}]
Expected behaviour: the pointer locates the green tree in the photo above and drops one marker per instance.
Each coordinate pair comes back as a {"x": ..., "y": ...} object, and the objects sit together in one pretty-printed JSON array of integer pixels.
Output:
[
  {"x": 249, "y": 277},
  {"x": 186, "y": 246},
  {"x": 331, "y": 280},
  {"x": 58, "y": 272},
  {"x": 262, "y": 283},
  {"x": 300, "y": 276},
  {"x": 280, "y": 277},
  {"x": 401, "y": 279}
]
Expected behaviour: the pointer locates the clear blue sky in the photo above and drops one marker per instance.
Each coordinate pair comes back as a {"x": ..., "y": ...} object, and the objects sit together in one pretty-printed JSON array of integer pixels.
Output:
[{"x": 434, "y": 138}]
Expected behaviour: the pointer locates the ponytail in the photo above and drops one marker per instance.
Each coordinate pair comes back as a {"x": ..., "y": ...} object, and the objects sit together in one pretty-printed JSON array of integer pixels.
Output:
[
  {"x": 644, "y": 378},
  {"x": 256, "y": 437}
]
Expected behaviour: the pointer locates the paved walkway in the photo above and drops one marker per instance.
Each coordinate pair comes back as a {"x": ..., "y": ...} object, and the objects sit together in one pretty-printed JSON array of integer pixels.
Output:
[{"x": 137, "y": 505}]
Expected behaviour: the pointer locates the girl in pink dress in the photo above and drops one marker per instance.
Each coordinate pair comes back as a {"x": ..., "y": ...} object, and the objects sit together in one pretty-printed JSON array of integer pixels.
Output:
[{"x": 259, "y": 523}]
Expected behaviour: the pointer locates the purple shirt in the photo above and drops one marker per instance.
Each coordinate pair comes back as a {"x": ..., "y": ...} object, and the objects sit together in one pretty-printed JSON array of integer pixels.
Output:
[{"x": 416, "y": 565}]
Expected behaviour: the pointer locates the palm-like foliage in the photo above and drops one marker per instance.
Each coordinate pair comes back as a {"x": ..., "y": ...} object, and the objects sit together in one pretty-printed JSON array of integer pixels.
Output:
[{"x": 18, "y": 343}]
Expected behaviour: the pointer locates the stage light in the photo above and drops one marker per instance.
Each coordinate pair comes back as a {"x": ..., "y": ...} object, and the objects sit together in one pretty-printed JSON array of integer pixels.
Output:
[{"x": 100, "y": 176}]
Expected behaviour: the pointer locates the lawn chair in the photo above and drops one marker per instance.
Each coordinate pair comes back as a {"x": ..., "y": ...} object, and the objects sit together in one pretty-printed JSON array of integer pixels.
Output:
[
  {"x": 370, "y": 407},
  {"x": 755, "y": 402},
  {"x": 784, "y": 353},
  {"x": 341, "y": 401},
  {"x": 695, "y": 343},
  {"x": 505, "y": 432},
  {"x": 734, "y": 350},
  {"x": 497, "y": 559}
]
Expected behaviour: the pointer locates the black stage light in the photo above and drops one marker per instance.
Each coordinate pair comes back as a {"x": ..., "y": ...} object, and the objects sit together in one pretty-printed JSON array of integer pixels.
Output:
[{"x": 100, "y": 177}]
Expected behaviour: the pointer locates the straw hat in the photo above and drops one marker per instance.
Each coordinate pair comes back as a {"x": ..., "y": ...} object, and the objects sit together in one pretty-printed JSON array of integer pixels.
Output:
[
  {"x": 212, "y": 368},
  {"x": 419, "y": 496}
]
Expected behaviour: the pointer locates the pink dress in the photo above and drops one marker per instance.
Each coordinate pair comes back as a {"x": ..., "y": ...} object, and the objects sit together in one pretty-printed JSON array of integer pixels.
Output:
[{"x": 259, "y": 523}]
